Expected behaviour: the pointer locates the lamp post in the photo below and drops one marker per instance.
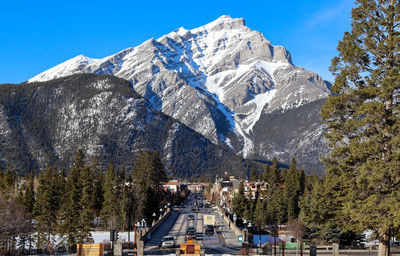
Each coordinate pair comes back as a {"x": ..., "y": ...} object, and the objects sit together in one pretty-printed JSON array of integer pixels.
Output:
[
  {"x": 245, "y": 230},
  {"x": 274, "y": 229},
  {"x": 137, "y": 230},
  {"x": 154, "y": 219},
  {"x": 161, "y": 212},
  {"x": 248, "y": 230},
  {"x": 143, "y": 223}
]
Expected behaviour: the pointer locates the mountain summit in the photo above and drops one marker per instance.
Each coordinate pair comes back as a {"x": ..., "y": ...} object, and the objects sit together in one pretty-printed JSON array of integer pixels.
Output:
[{"x": 228, "y": 83}]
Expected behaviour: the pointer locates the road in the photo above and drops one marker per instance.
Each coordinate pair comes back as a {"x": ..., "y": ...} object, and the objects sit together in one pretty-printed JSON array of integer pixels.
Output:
[{"x": 212, "y": 244}]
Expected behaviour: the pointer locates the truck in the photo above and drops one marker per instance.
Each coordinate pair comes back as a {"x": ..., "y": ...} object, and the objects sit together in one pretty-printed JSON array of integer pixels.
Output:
[{"x": 209, "y": 220}]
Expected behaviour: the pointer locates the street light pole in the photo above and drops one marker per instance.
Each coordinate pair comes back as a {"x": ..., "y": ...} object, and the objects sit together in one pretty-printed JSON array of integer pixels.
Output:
[
  {"x": 245, "y": 230},
  {"x": 274, "y": 240}
]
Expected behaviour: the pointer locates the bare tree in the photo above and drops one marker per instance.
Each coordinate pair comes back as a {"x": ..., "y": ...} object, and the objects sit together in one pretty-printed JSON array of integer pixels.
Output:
[
  {"x": 14, "y": 223},
  {"x": 296, "y": 228}
]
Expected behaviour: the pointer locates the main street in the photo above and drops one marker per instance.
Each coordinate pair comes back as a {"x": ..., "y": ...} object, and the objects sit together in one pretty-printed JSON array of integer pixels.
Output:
[{"x": 223, "y": 241}]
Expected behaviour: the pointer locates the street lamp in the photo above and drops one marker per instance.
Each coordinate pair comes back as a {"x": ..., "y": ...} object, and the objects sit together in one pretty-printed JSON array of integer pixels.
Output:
[
  {"x": 234, "y": 218},
  {"x": 248, "y": 230},
  {"x": 245, "y": 230},
  {"x": 274, "y": 228},
  {"x": 154, "y": 219}
]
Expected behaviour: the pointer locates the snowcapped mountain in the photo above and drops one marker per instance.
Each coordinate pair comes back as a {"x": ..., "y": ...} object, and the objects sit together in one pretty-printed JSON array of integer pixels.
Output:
[{"x": 222, "y": 80}]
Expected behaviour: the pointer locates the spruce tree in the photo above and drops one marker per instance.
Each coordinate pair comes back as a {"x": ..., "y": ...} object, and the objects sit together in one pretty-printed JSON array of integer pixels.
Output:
[
  {"x": 46, "y": 205},
  {"x": 71, "y": 211},
  {"x": 275, "y": 178},
  {"x": 363, "y": 122},
  {"x": 148, "y": 174},
  {"x": 128, "y": 205},
  {"x": 110, "y": 208},
  {"x": 86, "y": 211},
  {"x": 253, "y": 174},
  {"x": 267, "y": 174},
  {"x": 259, "y": 212},
  {"x": 292, "y": 191},
  {"x": 29, "y": 197},
  {"x": 98, "y": 179},
  {"x": 240, "y": 202}
]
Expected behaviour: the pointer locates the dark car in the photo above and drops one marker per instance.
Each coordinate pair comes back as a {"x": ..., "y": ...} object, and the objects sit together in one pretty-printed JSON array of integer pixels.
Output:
[
  {"x": 209, "y": 230},
  {"x": 191, "y": 217},
  {"x": 190, "y": 233},
  {"x": 395, "y": 243}
]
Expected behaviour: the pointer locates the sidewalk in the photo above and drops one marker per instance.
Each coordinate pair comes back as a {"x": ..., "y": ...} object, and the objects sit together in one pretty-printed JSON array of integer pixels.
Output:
[{"x": 230, "y": 238}]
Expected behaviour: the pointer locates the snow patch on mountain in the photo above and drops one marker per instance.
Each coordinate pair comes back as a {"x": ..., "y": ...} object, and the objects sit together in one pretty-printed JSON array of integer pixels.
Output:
[{"x": 218, "y": 79}]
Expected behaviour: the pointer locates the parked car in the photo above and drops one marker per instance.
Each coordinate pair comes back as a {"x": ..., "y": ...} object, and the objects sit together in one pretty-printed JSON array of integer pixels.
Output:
[
  {"x": 209, "y": 230},
  {"x": 168, "y": 242},
  {"x": 191, "y": 217},
  {"x": 395, "y": 243}
]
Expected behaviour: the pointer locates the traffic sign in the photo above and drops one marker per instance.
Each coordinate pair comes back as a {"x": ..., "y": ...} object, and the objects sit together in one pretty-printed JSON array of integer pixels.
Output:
[{"x": 240, "y": 238}]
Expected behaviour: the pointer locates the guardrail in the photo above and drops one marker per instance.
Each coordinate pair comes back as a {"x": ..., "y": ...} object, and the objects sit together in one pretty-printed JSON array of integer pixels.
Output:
[
  {"x": 230, "y": 223},
  {"x": 152, "y": 229}
]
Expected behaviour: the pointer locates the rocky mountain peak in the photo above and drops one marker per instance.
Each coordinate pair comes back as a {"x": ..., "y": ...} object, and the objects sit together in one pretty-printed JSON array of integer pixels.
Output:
[
  {"x": 219, "y": 79},
  {"x": 225, "y": 22}
]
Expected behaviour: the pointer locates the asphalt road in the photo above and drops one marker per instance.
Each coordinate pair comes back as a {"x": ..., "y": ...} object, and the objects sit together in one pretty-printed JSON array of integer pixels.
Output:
[{"x": 212, "y": 244}]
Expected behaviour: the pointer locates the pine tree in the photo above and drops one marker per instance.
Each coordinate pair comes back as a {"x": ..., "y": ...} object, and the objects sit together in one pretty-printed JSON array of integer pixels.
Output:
[
  {"x": 29, "y": 197},
  {"x": 148, "y": 174},
  {"x": 240, "y": 203},
  {"x": 267, "y": 174},
  {"x": 275, "y": 178},
  {"x": 110, "y": 209},
  {"x": 8, "y": 183},
  {"x": 253, "y": 174},
  {"x": 97, "y": 195},
  {"x": 292, "y": 191},
  {"x": 363, "y": 122},
  {"x": 259, "y": 212},
  {"x": 47, "y": 205},
  {"x": 71, "y": 211},
  {"x": 86, "y": 210},
  {"x": 128, "y": 204}
]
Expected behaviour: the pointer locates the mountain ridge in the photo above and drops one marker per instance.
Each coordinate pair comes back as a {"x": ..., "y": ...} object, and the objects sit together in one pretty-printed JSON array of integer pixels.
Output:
[{"x": 44, "y": 123}]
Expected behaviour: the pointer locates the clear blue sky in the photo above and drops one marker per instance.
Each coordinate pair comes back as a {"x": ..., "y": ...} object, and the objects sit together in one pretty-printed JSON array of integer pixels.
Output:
[{"x": 37, "y": 35}]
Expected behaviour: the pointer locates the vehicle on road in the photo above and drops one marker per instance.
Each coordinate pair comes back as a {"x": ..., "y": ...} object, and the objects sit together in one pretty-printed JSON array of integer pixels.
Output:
[
  {"x": 168, "y": 242},
  {"x": 209, "y": 230},
  {"x": 191, "y": 217},
  {"x": 190, "y": 233},
  {"x": 209, "y": 219}
]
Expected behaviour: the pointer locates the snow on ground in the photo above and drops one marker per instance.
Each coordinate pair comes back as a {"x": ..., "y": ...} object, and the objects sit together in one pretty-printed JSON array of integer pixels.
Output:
[{"x": 104, "y": 236}]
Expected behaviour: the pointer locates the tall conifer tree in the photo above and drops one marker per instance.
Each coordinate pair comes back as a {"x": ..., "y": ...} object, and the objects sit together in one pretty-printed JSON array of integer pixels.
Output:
[
  {"x": 240, "y": 202},
  {"x": 47, "y": 205},
  {"x": 29, "y": 197},
  {"x": 110, "y": 209},
  {"x": 363, "y": 122},
  {"x": 71, "y": 211}
]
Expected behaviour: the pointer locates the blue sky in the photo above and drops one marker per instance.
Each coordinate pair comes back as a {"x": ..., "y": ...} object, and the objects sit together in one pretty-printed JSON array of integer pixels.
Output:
[{"x": 37, "y": 35}]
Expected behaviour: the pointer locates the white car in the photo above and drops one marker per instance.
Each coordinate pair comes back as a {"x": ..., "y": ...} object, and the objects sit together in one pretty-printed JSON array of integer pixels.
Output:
[{"x": 168, "y": 242}]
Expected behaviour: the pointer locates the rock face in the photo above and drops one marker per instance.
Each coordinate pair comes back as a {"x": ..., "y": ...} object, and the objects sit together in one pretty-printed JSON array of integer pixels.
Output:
[
  {"x": 45, "y": 123},
  {"x": 221, "y": 80}
]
